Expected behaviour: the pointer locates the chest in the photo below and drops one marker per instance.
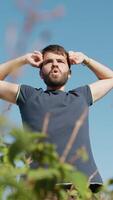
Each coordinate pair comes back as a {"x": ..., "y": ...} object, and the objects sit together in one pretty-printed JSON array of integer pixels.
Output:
[{"x": 61, "y": 107}]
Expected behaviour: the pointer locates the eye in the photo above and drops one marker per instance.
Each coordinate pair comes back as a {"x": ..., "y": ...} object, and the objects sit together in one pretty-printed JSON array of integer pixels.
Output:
[
  {"x": 47, "y": 62},
  {"x": 60, "y": 61}
]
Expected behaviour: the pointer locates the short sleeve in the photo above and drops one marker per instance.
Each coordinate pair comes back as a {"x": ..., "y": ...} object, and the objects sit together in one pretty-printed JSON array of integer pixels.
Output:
[
  {"x": 24, "y": 93},
  {"x": 86, "y": 92}
]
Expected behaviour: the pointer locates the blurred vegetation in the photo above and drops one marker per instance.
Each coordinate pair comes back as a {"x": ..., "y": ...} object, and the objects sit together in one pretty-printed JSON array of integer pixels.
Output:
[{"x": 19, "y": 181}]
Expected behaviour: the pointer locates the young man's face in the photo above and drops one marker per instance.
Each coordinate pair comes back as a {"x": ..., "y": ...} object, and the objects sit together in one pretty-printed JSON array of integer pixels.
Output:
[{"x": 55, "y": 70}]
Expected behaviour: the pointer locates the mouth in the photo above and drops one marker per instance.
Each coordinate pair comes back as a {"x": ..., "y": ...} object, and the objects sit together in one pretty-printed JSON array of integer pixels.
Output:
[{"x": 55, "y": 71}]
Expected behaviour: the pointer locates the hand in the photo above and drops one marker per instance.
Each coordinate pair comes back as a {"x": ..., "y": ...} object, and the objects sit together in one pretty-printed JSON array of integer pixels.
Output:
[
  {"x": 77, "y": 57},
  {"x": 35, "y": 59}
]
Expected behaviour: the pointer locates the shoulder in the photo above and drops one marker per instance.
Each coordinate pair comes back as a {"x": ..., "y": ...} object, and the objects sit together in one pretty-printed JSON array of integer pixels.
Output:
[
  {"x": 25, "y": 92},
  {"x": 85, "y": 92}
]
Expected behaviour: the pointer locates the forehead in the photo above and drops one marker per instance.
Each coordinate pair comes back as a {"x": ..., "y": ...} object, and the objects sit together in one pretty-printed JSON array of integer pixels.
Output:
[{"x": 50, "y": 55}]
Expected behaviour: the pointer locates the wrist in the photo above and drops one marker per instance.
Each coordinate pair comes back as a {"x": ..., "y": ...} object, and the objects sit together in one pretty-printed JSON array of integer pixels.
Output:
[{"x": 86, "y": 60}]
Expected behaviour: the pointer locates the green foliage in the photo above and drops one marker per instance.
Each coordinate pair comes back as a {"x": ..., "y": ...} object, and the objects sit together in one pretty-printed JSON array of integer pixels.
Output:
[{"x": 41, "y": 183}]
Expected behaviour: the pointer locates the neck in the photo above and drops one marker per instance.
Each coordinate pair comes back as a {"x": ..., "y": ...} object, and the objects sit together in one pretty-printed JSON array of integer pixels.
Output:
[{"x": 56, "y": 88}]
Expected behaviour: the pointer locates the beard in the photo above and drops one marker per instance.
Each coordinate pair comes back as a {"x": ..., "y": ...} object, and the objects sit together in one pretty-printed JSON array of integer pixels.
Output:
[{"x": 55, "y": 80}]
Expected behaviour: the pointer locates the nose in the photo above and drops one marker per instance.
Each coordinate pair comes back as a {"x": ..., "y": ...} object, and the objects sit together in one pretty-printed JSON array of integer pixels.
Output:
[{"x": 55, "y": 63}]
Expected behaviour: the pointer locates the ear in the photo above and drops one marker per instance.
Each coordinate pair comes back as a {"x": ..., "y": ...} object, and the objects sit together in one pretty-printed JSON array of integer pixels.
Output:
[{"x": 69, "y": 75}]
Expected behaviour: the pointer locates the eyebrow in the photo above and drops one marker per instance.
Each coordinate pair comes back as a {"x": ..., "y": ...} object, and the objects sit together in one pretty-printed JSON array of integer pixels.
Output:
[{"x": 50, "y": 60}]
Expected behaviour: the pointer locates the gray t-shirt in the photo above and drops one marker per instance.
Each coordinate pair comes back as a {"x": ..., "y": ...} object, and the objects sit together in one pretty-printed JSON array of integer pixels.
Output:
[{"x": 65, "y": 109}]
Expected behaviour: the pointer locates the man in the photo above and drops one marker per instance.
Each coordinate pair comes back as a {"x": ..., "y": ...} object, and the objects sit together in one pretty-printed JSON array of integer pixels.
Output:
[{"x": 68, "y": 111}]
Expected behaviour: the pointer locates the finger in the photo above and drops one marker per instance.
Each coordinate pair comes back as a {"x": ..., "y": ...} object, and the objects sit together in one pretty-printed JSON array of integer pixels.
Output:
[
  {"x": 37, "y": 55},
  {"x": 37, "y": 52},
  {"x": 37, "y": 64},
  {"x": 70, "y": 52}
]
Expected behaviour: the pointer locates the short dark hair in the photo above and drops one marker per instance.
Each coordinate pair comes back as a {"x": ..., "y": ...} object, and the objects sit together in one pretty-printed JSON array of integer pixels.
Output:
[{"x": 58, "y": 50}]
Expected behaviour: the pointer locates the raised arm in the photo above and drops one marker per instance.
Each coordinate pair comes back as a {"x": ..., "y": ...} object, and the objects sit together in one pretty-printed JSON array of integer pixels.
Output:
[
  {"x": 103, "y": 73},
  {"x": 7, "y": 68},
  {"x": 8, "y": 91},
  {"x": 100, "y": 70}
]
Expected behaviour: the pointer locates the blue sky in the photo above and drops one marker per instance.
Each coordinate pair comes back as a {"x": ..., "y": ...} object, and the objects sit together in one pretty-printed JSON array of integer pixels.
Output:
[{"x": 86, "y": 26}]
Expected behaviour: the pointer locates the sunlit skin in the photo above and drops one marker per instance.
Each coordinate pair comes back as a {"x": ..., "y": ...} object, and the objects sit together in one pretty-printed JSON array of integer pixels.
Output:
[{"x": 56, "y": 68}]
